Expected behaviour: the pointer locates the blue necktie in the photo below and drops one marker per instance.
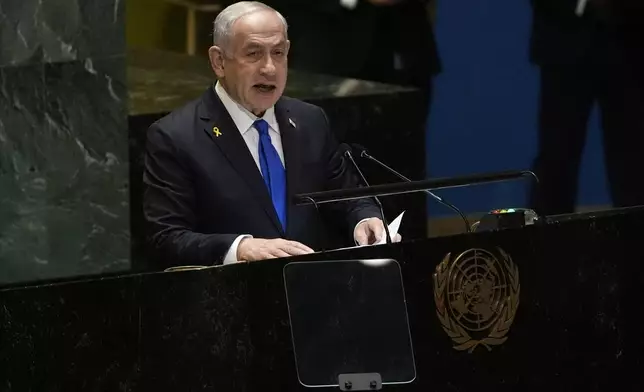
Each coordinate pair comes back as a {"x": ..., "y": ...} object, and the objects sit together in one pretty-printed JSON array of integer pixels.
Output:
[{"x": 272, "y": 170}]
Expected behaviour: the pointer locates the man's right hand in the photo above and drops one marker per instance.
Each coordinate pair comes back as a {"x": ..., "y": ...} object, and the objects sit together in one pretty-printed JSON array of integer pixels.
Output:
[{"x": 254, "y": 249}]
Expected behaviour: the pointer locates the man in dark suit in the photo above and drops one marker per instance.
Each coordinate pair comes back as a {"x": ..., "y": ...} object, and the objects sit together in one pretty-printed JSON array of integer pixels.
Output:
[
  {"x": 220, "y": 172},
  {"x": 588, "y": 51}
]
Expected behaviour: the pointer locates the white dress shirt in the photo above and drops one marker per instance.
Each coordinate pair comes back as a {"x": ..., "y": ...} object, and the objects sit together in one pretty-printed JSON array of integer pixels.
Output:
[{"x": 244, "y": 121}]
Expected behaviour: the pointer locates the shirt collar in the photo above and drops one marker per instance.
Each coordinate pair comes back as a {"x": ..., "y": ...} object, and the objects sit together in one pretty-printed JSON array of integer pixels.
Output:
[{"x": 241, "y": 116}]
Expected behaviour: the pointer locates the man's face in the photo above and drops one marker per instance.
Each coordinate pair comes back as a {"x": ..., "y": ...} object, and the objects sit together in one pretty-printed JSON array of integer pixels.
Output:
[{"x": 253, "y": 64}]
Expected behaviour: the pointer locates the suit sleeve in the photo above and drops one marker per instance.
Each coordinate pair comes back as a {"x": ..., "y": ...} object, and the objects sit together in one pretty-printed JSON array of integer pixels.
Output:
[
  {"x": 341, "y": 174},
  {"x": 170, "y": 210}
]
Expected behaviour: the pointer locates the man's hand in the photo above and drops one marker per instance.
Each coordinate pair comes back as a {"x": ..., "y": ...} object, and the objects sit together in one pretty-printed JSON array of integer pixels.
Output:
[
  {"x": 371, "y": 231},
  {"x": 253, "y": 249}
]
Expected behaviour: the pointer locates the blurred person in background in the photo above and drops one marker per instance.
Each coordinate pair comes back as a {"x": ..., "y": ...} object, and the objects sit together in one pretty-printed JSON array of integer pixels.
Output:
[{"x": 588, "y": 51}]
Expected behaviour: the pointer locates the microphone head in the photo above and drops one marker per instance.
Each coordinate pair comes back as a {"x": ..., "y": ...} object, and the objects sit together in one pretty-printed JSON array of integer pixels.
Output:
[
  {"x": 344, "y": 149},
  {"x": 362, "y": 150}
]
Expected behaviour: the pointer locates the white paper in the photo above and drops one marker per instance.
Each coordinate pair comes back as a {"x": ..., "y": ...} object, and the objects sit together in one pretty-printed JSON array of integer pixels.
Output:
[
  {"x": 393, "y": 230},
  {"x": 394, "y": 226}
]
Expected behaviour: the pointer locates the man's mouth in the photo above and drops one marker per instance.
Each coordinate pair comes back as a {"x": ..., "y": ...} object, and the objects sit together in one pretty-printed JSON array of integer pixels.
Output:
[{"x": 264, "y": 88}]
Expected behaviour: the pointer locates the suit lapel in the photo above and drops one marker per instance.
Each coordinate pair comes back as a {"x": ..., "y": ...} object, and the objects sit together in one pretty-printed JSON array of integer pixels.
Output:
[
  {"x": 223, "y": 132},
  {"x": 292, "y": 158}
]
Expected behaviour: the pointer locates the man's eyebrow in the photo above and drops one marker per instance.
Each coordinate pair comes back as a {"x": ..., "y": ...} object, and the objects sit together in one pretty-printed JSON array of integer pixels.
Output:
[
  {"x": 257, "y": 44},
  {"x": 250, "y": 45}
]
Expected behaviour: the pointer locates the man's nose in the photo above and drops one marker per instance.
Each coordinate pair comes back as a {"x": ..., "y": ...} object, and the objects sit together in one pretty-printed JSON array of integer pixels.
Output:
[{"x": 269, "y": 66}]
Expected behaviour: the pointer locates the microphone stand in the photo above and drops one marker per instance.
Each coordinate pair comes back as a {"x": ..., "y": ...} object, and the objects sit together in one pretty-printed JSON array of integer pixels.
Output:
[
  {"x": 322, "y": 251},
  {"x": 364, "y": 180},
  {"x": 365, "y": 154}
]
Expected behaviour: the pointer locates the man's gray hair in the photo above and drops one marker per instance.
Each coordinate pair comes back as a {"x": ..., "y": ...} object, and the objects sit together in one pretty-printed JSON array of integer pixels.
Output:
[{"x": 224, "y": 22}]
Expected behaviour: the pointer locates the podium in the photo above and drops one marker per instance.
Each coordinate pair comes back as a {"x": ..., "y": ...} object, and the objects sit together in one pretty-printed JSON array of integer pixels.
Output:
[{"x": 553, "y": 306}]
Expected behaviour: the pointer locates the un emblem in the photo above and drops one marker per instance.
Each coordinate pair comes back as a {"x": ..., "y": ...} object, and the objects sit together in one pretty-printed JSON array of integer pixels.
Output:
[{"x": 476, "y": 296}]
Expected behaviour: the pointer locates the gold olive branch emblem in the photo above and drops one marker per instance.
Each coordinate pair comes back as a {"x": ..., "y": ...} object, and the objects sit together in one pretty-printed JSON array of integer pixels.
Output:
[{"x": 498, "y": 330}]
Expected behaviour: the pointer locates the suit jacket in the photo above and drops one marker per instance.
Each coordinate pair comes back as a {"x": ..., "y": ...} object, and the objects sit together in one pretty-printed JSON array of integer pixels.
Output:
[
  {"x": 201, "y": 190},
  {"x": 328, "y": 38},
  {"x": 607, "y": 31}
]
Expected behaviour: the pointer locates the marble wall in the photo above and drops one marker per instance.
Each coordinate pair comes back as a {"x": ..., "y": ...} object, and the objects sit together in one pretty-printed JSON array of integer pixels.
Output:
[{"x": 64, "y": 207}]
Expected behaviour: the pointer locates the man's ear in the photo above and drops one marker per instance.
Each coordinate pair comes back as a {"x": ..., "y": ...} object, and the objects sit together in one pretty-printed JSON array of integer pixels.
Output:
[{"x": 216, "y": 55}]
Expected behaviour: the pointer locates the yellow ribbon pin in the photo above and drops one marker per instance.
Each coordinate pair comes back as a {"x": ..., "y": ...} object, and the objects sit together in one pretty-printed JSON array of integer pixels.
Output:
[{"x": 216, "y": 131}]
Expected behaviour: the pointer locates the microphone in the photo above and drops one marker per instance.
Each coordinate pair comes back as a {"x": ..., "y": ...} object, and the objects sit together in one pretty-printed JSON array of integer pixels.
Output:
[
  {"x": 347, "y": 153},
  {"x": 365, "y": 154}
]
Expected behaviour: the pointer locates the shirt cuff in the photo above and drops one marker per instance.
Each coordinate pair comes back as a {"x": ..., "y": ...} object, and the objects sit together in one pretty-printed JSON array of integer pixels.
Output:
[
  {"x": 231, "y": 256},
  {"x": 349, "y": 4}
]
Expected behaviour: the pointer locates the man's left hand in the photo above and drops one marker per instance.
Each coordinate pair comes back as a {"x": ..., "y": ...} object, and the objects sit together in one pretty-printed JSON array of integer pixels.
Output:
[{"x": 371, "y": 231}]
